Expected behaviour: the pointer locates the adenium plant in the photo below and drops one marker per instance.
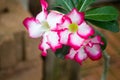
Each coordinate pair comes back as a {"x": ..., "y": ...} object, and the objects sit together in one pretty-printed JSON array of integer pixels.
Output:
[
  {"x": 68, "y": 29},
  {"x": 45, "y": 25}
]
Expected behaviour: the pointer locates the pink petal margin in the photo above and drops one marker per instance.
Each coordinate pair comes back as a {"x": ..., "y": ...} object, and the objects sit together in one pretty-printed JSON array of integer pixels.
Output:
[
  {"x": 77, "y": 59},
  {"x": 27, "y": 21},
  {"x": 76, "y": 16},
  {"x": 96, "y": 40},
  {"x": 53, "y": 40},
  {"x": 43, "y": 46},
  {"x": 94, "y": 52},
  {"x": 65, "y": 22},
  {"x": 85, "y": 30},
  {"x": 44, "y": 4},
  {"x": 80, "y": 56},
  {"x": 53, "y": 19},
  {"x": 75, "y": 41},
  {"x": 34, "y": 27},
  {"x": 71, "y": 54},
  {"x": 42, "y": 16},
  {"x": 63, "y": 34}
]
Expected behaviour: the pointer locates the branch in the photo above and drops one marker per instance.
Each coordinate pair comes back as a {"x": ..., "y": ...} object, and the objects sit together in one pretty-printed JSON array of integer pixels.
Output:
[{"x": 106, "y": 65}]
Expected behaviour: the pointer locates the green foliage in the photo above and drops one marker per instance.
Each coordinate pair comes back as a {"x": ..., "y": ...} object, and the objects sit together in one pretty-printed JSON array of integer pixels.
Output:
[
  {"x": 65, "y": 5},
  {"x": 68, "y": 5},
  {"x": 62, "y": 51},
  {"x": 103, "y": 17},
  {"x": 83, "y": 4},
  {"x": 60, "y": 9},
  {"x": 108, "y": 25},
  {"x": 106, "y": 13}
]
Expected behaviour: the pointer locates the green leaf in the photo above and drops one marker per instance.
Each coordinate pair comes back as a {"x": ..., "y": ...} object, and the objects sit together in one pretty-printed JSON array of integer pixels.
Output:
[
  {"x": 62, "y": 51},
  {"x": 106, "y": 13},
  {"x": 60, "y": 9},
  {"x": 60, "y": 3},
  {"x": 67, "y": 5},
  {"x": 73, "y": 3},
  {"x": 80, "y": 2},
  {"x": 109, "y": 25},
  {"x": 84, "y": 4},
  {"x": 76, "y": 2},
  {"x": 103, "y": 39}
]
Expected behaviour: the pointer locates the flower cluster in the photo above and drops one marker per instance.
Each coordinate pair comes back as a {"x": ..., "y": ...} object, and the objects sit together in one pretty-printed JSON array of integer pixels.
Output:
[{"x": 69, "y": 29}]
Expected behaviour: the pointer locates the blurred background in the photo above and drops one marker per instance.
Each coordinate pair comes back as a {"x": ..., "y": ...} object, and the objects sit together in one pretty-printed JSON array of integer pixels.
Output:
[{"x": 20, "y": 58}]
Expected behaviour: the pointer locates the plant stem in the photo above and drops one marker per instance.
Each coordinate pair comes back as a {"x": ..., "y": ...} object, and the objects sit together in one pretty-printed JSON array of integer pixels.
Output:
[{"x": 106, "y": 65}]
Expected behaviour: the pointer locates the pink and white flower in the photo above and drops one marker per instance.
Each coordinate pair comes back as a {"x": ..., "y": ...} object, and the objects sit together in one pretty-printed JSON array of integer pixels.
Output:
[
  {"x": 91, "y": 48},
  {"x": 44, "y": 25},
  {"x": 74, "y": 30}
]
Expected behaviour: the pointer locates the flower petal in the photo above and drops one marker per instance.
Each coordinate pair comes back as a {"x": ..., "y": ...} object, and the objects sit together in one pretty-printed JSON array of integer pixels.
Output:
[
  {"x": 71, "y": 54},
  {"x": 42, "y": 16},
  {"x": 44, "y": 45},
  {"x": 75, "y": 41},
  {"x": 94, "y": 52},
  {"x": 84, "y": 30},
  {"x": 96, "y": 40},
  {"x": 53, "y": 40},
  {"x": 34, "y": 27},
  {"x": 81, "y": 55},
  {"x": 76, "y": 17},
  {"x": 44, "y": 4},
  {"x": 64, "y": 36},
  {"x": 53, "y": 19},
  {"x": 66, "y": 21}
]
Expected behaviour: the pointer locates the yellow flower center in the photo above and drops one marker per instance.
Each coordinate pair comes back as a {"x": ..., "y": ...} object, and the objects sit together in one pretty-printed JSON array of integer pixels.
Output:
[
  {"x": 45, "y": 25},
  {"x": 73, "y": 27}
]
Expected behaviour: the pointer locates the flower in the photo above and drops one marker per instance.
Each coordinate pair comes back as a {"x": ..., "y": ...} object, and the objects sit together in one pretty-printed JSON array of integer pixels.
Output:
[
  {"x": 74, "y": 30},
  {"x": 44, "y": 25},
  {"x": 91, "y": 48}
]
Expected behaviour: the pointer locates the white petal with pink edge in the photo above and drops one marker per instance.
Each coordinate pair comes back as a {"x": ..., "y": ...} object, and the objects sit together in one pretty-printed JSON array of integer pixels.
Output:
[
  {"x": 64, "y": 36},
  {"x": 76, "y": 17},
  {"x": 42, "y": 16},
  {"x": 94, "y": 52},
  {"x": 75, "y": 41},
  {"x": 71, "y": 54},
  {"x": 44, "y": 45},
  {"x": 44, "y": 4},
  {"x": 53, "y": 40},
  {"x": 96, "y": 40},
  {"x": 84, "y": 30},
  {"x": 81, "y": 55},
  {"x": 53, "y": 19},
  {"x": 66, "y": 21},
  {"x": 34, "y": 27}
]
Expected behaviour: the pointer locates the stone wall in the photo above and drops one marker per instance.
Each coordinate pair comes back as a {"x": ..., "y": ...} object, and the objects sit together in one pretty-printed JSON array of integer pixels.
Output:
[{"x": 19, "y": 55}]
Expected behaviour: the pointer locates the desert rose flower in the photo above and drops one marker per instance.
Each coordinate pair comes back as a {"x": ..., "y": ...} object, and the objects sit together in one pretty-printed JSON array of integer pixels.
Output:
[
  {"x": 74, "y": 30},
  {"x": 90, "y": 48},
  {"x": 44, "y": 25}
]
